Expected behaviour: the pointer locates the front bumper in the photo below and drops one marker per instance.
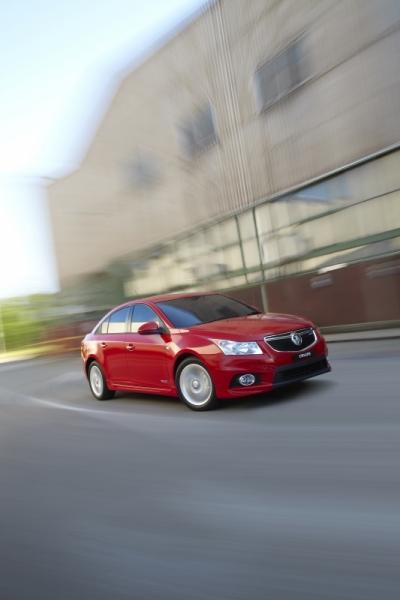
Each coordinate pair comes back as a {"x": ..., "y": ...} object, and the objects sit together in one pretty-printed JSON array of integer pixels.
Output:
[
  {"x": 271, "y": 370},
  {"x": 295, "y": 372}
]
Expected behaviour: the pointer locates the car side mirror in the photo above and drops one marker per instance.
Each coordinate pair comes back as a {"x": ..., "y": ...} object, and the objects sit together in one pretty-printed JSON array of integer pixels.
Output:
[{"x": 150, "y": 327}]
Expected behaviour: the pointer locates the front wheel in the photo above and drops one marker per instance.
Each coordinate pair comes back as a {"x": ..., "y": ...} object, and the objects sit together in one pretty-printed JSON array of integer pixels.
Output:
[
  {"x": 194, "y": 385},
  {"x": 97, "y": 383}
]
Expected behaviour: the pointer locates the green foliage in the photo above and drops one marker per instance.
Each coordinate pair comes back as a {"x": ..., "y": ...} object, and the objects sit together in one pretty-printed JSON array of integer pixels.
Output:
[{"x": 19, "y": 326}]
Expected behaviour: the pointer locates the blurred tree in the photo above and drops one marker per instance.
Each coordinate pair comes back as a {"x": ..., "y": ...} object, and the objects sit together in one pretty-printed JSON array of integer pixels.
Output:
[{"x": 20, "y": 326}]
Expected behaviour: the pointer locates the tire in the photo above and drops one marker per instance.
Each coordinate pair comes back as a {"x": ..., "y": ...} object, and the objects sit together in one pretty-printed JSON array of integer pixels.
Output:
[
  {"x": 195, "y": 386},
  {"x": 97, "y": 383}
]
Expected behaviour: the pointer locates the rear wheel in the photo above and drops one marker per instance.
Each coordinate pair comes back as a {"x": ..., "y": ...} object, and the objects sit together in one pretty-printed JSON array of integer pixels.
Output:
[
  {"x": 194, "y": 385},
  {"x": 97, "y": 383}
]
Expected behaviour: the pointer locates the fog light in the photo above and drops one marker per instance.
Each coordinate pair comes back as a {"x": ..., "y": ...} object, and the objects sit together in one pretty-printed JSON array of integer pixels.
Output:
[{"x": 247, "y": 379}]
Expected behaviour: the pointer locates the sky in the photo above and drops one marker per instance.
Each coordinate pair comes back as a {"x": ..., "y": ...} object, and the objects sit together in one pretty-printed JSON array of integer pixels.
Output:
[{"x": 60, "y": 64}]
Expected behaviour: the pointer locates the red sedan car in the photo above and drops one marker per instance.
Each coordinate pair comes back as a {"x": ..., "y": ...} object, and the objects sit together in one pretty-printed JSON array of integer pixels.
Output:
[{"x": 200, "y": 347}]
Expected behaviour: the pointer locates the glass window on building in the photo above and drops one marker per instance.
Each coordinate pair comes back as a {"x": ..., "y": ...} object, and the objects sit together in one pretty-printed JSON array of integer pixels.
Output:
[
  {"x": 199, "y": 132},
  {"x": 321, "y": 197},
  {"x": 282, "y": 74},
  {"x": 216, "y": 263},
  {"x": 212, "y": 236},
  {"x": 144, "y": 171},
  {"x": 269, "y": 249},
  {"x": 292, "y": 242},
  {"x": 247, "y": 226},
  {"x": 183, "y": 250},
  {"x": 284, "y": 212},
  {"x": 316, "y": 234},
  {"x": 335, "y": 214},
  {"x": 374, "y": 178},
  {"x": 197, "y": 244},
  {"x": 377, "y": 215},
  {"x": 391, "y": 211},
  {"x": 264, "y": 218},
  {"x": 223, "y": 233},
  {"x": 232, "y": 258},
  {"x": 251, "y": 253}
]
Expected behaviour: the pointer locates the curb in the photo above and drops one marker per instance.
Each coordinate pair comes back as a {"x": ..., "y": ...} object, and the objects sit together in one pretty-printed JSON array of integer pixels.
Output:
[{"x": 362, "y": 336}]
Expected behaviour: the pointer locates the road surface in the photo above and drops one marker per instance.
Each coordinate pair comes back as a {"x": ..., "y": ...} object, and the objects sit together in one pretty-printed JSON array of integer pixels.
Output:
[{"x": 292, "y": 495}]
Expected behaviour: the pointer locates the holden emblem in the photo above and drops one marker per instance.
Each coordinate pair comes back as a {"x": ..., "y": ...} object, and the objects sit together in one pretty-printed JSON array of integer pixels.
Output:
[{"x": 296, "y": 338}]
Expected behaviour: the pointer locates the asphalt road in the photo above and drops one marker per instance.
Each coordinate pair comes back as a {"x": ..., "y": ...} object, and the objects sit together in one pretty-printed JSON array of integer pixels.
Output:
[{"x": 290, "y": 495}]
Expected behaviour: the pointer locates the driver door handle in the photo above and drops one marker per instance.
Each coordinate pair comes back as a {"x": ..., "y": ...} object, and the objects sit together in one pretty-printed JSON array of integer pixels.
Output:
[
  {"x": 130, "y": 347},
  {"x": 103, "y": 345}
]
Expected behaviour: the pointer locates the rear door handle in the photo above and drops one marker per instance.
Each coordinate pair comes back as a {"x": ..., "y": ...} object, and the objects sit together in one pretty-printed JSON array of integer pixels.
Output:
[
  {"x": 130, "y": 347},
  {"x": 103, "y": 345}
]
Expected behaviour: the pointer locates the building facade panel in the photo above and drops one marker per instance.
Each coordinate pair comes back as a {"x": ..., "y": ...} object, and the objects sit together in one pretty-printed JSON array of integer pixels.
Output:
[{"x": 213, "y": 165}]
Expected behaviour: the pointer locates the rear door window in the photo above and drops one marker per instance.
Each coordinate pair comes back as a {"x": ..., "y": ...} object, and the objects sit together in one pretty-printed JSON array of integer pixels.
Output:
[
  {"x": 103, "y": 327},
  {"x": 117, "y": 321}
]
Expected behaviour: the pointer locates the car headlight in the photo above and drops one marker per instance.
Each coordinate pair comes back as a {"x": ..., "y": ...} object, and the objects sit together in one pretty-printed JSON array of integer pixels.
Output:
[{"x": 238, "y": 348}]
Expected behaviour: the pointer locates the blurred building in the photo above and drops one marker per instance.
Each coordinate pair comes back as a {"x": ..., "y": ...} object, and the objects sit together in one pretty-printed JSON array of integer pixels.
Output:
[{"x": 257, "y": 150}]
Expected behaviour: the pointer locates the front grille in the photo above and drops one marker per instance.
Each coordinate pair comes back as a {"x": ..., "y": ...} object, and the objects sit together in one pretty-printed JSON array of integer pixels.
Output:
[
  {"x": 291, "y": 373},
  {"x": 283, "y": 342}
]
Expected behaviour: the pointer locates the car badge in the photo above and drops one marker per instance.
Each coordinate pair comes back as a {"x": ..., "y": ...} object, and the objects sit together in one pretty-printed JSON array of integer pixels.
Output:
[{"x": 296, "y": 339}]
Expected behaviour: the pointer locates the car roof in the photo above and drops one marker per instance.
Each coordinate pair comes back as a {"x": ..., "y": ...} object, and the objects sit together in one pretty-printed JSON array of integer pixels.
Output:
[{"x": 163, "y": 298}]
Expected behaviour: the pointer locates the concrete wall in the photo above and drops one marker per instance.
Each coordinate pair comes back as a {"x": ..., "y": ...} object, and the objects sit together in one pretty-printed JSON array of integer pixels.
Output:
[
  {"x": 360, "y": 293},
  {"x": 347, "y": 109}
]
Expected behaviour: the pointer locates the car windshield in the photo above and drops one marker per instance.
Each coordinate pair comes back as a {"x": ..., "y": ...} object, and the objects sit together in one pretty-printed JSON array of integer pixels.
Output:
[{"x": 195, "y": 310}]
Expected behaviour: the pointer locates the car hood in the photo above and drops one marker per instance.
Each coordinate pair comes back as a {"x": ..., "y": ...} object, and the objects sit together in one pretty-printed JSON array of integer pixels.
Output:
[{"x": 253, "y": 327}]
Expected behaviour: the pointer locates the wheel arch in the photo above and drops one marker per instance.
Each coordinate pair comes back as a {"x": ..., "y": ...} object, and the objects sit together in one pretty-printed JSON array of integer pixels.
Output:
[
  {"x": 183, "y": 356},
  {"x": 89, "y": 361}
]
